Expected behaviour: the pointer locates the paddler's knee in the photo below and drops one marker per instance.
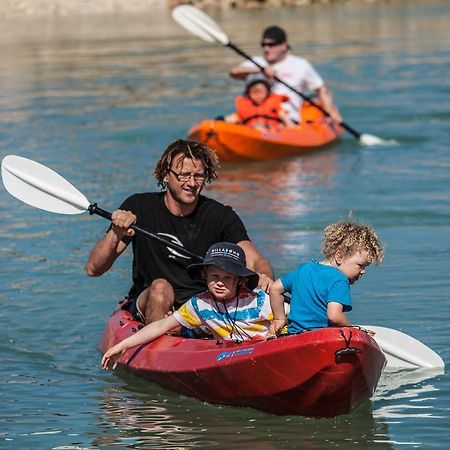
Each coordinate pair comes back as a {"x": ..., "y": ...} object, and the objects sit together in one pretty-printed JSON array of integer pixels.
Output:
[{"x": 157, "y": 300}]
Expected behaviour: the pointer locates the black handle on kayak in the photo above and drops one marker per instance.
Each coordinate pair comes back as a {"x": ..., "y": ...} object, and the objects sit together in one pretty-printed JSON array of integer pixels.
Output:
[{"x": 94, "y": 209}]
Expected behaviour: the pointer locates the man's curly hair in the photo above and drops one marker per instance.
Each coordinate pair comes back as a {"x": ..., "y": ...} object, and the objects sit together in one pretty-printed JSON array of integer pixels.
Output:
[
  {"x": 191, "y": 150},
  {"x": 349, "y": 238}
]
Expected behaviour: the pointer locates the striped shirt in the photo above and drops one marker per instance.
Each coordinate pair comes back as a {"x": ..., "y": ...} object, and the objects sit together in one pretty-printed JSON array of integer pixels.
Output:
[{"x": 246, "y": 317}]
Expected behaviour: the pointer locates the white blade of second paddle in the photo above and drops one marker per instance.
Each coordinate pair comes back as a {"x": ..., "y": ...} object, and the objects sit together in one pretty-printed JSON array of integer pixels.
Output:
[
  {"x": 404, "y": 351},
  {"x": 200, "y": 24},
  {"x": 41, "y": 187}
]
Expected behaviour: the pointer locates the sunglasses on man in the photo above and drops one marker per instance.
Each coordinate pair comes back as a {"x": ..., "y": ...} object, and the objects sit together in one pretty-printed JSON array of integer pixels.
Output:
[{"x": 270, "y": 44}]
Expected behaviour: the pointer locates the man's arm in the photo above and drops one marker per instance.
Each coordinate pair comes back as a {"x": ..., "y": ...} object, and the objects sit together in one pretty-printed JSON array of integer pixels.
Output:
[
  {"x": 326, "y": 98},
  {"x": 111, "y": 246},
  {"x": 257, "y": 263},
  {"x": 241, "y": 72},
  {"x": 104, "y": 254}
]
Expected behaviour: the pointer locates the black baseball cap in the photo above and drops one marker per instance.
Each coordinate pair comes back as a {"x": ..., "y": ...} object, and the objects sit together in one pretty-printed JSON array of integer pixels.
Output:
[
  {"x": 276, "y": 34},
  {"x": 229, "y": 257}
]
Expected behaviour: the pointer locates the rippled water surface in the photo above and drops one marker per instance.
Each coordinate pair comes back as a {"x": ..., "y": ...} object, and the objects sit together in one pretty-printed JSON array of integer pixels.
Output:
[{"x": 98, "y": 99}]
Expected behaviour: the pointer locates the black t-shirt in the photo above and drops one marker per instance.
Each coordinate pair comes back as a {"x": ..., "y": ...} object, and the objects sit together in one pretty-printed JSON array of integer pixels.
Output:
[{"x": 211, "y": 222}]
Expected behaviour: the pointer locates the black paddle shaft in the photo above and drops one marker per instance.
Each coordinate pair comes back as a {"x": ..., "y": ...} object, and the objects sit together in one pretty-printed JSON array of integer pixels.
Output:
[
  {"x": 305, "y": 97},
  {"x": 94, "y": 209}
]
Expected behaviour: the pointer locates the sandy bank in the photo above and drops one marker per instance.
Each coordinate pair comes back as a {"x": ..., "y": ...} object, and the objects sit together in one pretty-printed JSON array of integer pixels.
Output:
[
  {"x": 27, "y": 8},
  {"x": 30, "y": 8}
]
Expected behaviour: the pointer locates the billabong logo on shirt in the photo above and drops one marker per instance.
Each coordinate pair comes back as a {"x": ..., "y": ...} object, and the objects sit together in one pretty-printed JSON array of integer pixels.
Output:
[{"x": 175, "y": 240}]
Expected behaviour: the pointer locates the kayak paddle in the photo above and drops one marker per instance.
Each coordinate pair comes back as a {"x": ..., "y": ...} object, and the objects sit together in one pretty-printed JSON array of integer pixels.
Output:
[
  {"x": 404, "y": 351},
  {"x": 41, "y": 187},
  {"x": 201, "y": 25}
]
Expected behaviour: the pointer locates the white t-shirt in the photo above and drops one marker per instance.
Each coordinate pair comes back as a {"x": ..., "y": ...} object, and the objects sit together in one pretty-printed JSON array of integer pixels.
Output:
[{"x": 298, "y": 73}]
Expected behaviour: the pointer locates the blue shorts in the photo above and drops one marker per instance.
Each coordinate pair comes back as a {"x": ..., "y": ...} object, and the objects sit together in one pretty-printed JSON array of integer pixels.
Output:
[{"x": 134, "y": 309}]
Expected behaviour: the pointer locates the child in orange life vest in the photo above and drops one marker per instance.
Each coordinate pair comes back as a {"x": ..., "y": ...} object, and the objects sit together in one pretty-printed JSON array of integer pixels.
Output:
[{"x": 260, "y": 108}]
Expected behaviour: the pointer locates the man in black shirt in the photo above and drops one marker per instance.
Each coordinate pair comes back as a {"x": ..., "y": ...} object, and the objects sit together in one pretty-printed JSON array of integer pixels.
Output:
[{"x": 179, "y": 214}]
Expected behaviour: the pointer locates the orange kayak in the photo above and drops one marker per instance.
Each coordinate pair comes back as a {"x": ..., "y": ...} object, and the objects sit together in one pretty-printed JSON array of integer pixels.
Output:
[{"x": 235, "y": 142}]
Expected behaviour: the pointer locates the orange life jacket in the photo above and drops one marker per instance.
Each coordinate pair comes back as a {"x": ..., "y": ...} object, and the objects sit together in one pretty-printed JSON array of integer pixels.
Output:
[{"x": 265, "y": 114}]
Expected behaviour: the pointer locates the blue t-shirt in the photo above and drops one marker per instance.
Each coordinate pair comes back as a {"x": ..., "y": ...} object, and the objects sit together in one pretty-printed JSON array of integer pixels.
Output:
[{"x": 312, "y": 286}]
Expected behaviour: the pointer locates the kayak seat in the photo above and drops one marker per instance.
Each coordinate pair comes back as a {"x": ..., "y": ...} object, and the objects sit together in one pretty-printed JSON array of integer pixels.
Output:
[{"x": 195, "y": 333}]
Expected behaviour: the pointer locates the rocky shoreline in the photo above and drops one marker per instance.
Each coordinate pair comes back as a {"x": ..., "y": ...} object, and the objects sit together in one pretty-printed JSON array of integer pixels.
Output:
[{"x": 24, "y": 8}]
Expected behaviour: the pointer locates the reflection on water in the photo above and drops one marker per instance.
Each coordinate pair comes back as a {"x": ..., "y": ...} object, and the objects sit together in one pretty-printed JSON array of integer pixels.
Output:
[
  {"x": 279, "y": 196},
  {"x": 277, "y": 187},
  {"x": 143, "y": 414},
  {"x": 137, "y": 423},
  {"x": 403, "y": 394},
  {"x": 97, "y": 99}
]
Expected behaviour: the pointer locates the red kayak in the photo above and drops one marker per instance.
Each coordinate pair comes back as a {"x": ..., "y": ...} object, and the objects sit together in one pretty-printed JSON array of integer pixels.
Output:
[{"x": 321, "y": 373}]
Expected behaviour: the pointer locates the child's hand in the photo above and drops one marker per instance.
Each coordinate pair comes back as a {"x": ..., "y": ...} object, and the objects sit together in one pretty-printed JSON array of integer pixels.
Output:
[
  {"x": 113, "y": 355},
  {"x": 275, "y": 326},
  {"x": 369, "y": 332}
]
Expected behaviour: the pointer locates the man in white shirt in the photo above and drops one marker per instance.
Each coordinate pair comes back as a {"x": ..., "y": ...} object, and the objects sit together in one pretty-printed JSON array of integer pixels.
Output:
[{"x": 293, "y": 70}]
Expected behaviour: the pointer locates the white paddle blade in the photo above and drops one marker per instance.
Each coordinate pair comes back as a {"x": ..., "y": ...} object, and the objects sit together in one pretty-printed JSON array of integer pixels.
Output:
[
  {"x": 370, "y": 140},
  {"x": 38, "y": 186},
  {"x": 404, "y": 351},
  {"x": 200, "y": 24}
]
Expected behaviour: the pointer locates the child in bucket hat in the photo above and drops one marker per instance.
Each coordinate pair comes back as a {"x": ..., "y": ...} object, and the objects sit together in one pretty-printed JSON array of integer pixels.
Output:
[
  {"x": 231, "y": 309},
  {"x": 230, "y": 258}
]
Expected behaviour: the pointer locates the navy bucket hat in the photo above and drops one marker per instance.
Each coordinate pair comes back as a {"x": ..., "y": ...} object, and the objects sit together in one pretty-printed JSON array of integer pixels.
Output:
[{"x": 229, "y": 257}]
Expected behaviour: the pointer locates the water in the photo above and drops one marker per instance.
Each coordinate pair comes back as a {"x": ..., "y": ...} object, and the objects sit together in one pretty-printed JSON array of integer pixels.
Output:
[{"x": 98, "y": 99}]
